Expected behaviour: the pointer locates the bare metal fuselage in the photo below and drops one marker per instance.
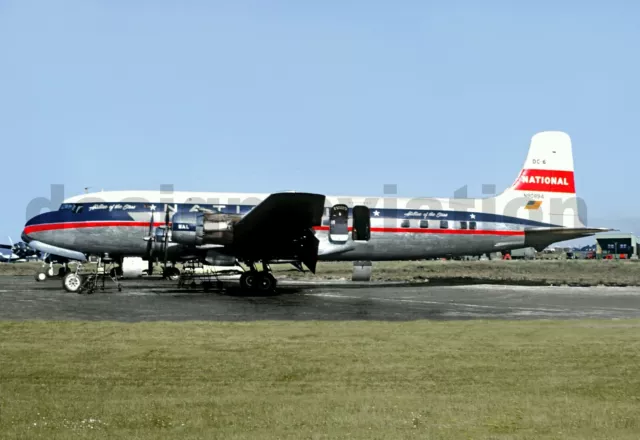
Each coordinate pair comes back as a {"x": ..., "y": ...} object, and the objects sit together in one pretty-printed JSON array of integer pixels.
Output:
[{"x": 400, "y": 230}]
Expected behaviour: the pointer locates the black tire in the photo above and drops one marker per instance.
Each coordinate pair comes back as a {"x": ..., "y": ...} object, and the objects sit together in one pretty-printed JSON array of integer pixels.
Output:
[
  {"x": 249, "y": 281},
  {"x": 72, "y": 282},
  {"x": 266, "y": 282}
]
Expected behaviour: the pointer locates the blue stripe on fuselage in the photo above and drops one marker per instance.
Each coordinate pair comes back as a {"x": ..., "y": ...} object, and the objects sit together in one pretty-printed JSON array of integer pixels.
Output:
[{"x": 122, "y": 211}]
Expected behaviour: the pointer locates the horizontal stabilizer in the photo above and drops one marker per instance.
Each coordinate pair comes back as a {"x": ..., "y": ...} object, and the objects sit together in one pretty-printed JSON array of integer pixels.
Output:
[{"x": 540, "y": 238}]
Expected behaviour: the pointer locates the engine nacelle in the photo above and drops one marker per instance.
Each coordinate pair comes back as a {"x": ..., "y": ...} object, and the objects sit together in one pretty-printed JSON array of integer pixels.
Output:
[{"x": 198, "y": 228}]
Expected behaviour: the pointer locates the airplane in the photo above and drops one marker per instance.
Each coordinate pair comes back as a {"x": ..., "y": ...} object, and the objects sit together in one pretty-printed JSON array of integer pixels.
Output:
[
  {"x": 7, "y": 257},
  {"x": 298, "y": 228},
  {"x": 18, "y": 252}
]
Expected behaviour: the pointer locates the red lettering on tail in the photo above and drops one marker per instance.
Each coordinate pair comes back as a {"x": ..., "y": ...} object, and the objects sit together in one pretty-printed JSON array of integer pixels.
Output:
[{"x": 545, "y": 181}]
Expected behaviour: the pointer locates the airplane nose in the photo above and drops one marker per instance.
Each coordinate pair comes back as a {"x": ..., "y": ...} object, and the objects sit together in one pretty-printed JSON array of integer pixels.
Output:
[{"x": 34, "y": 224}]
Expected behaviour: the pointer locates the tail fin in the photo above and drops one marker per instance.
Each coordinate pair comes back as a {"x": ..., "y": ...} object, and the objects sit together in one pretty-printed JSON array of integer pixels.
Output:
[{"x": 545, "y": 189}]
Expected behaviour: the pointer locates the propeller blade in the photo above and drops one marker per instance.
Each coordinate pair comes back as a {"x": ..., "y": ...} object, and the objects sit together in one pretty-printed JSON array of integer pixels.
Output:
[
  {"x": 151, "y": 224},
  {"x": 166, "y": 247},
  {"x": 166, "y": 234},
  {"x": 10, "y": 241},
  {"x": 149, "y": 238}
]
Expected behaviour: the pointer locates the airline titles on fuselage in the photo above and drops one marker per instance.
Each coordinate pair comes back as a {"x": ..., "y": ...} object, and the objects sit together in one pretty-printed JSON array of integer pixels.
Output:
[
  {"x": 118, "y": 206},
  {"x": 426, "y": 214}
]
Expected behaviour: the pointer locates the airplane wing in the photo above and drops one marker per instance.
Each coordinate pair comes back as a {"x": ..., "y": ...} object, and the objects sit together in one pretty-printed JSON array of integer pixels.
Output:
[{"x": 280, "y": 228}]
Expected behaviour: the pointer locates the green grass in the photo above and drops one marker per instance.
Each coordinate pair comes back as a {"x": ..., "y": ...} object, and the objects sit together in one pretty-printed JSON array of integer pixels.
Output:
[{"x": 299, "y": 380}]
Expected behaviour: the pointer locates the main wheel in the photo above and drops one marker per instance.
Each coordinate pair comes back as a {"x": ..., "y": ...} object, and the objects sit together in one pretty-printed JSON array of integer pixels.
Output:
[
  {"x": 72, "y": 282},
  {"x": 40, "y": 276},
  {"x": 266, "y": 282},
  {"x": 248, "y": 280}
]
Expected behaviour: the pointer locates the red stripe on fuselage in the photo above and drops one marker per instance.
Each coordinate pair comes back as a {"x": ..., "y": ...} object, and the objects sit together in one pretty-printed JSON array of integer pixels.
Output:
[
  {"x": 436, "y": 231},
  {"x": 79, "y": 225},
  {"x": 107, "y": 224}
]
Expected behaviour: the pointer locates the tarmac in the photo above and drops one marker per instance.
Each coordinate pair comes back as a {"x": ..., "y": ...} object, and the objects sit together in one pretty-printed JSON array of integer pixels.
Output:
[{"x": 22, "y": 298}]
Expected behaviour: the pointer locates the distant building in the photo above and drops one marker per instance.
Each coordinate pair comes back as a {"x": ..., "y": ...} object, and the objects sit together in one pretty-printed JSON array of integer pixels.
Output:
[{"x": 619, "y": 245}]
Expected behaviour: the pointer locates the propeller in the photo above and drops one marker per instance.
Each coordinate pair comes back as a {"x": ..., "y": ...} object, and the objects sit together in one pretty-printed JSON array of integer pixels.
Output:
[
  {"x": 152, "y": 237},
  {"x": 149, "y": 239},
  {"x": 21, "y": 249},
  {"x": 166, "y": 234}
]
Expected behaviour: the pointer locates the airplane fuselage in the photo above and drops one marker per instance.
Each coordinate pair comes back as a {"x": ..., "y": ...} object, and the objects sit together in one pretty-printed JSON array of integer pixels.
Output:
[{"x": 401, "y": 229}]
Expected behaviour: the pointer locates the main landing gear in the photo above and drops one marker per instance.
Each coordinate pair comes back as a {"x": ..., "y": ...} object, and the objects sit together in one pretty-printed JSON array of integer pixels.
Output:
[{"x": 255, "y": 281}]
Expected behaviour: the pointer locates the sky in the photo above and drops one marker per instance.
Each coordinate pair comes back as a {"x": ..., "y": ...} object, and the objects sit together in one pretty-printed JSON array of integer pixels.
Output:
[{"x": 336, "y": 97}]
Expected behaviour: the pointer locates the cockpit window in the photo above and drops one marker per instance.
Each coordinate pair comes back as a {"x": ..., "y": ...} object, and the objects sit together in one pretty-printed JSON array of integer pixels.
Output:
[
  {"x": 78, "y": 208},
  {"x": 66, "y": 207}
]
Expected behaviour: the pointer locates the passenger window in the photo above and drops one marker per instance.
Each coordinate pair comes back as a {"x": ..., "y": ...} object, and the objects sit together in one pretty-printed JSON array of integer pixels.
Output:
[
  {"x": 405, "y": 224},
  {"x": 444, "y": 224},
  {"x": 424, "y": 224},
  {"x": 463, "y": 225},
  {"x": 472, "y": 225}
]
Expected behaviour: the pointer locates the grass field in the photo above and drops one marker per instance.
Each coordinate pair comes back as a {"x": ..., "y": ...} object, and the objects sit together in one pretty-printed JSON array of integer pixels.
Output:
[
  {"x": 299, "y": 380},
  {"x": 544, "y": 272}
]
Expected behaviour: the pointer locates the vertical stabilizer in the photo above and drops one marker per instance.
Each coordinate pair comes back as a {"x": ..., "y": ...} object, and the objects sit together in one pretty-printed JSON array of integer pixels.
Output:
[{"x": 545, "y": 188}]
